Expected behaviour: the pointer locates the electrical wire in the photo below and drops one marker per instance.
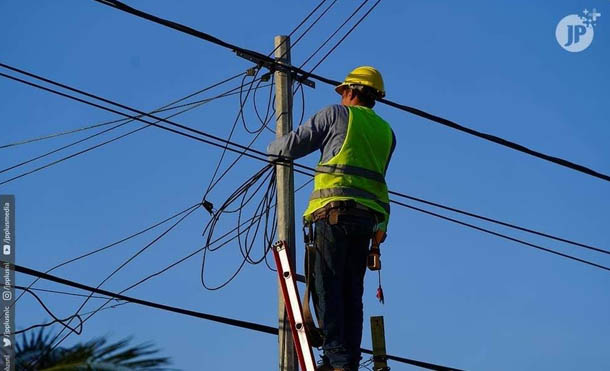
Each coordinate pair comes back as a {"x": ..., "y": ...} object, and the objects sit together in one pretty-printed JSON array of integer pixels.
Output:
[
  {"x": 343, "y": 39},
  {"x": 93, "y": 252},
  {"x": 240, "y": 154},
  {"x": 311, "y": 25},
  {"x": 225, "y": 320},
  {"x": 140, "y": 113},
  {"x": 246, "y": 258},
  {"x": 47, "y": 324},
  {"x": 94, "y": 126},
  {"x": 345, "y": 36},
  {"x": 208, "y": 245},
  {"x": 270, "y": 109},
  {"x": 499, "y": 222},
  {"x": 300, "y": 84},
  {"x": 116, "y": 270},
  {"x": 104, "y": 306},
  {"x": 78, "y": 329},
  {"x": 66, "y": 293},
  {"x": 167, "y": 107},
  {"x": 245, "y": 149},
  {"x": 270, "y": 62},
  {"x": 240, "y": 113},
  {"x": 296, "y": 28},
  {"x": 138, "y": 118},
  {"x": 242, "y": 102},
  {"x": 125, "y": 120},
  {"x": 22, "y": 163},
  {"x": 501, "y": 235},
  {"x": 61, "y": 133},
  {"x": 265, "y": 175}
]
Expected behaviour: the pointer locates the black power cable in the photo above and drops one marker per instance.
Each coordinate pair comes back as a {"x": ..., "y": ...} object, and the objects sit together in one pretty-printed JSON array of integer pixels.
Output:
[
  {"x": 116, "y": 270},
  {"x": 265, "y": 205},
  {"x": 242, "y": 102},
  {"x": 106, "y": 123},
  {"x": 300, "y": 85},
  {"x": 106, "y": 247},
  {"x": 105, "y": 306},
  {"x": 245, "y": 149},
  {"x": 304, "y": 74},
  {"x": 499, "y": 222},
  {"x": 62, "y": 321},
  {"x": 240, "y": 114},
  {"x": 264, "y": 176},
  {"x": 170, "y": 106},
  {"x": 310, "y": 26},
  {"x": 66, "y": 293},
  {"x": 299, "y": 26},
  {"x": 225, "y": 320},
  {"x": 346, "y": 35},
  {"x": 327, "y": 40},
  {"x": 78, "y": 329},
  {"x": 59, "y": 134},
  {"x": 147, "y": 122},
  {"x": 140, "y": 113},
  {"x": 500, "y": 235},
  {"x": 333, "y": 34}
]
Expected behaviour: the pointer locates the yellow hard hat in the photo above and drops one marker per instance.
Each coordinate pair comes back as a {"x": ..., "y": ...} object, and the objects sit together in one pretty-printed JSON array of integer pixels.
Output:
[{"x": 366, "y": 76}]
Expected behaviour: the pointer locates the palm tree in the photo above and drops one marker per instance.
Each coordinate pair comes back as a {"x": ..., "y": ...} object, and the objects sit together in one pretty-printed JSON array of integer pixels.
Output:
[{"x": 96, "y": 354}]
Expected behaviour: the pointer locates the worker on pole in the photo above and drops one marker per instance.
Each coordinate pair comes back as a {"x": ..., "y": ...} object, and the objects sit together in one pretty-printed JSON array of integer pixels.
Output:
[{"x": 349, "y": 206}]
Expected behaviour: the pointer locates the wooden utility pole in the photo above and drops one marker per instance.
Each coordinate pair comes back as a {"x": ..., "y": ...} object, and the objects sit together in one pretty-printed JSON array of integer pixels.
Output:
[{"x": 285, "y": 197}]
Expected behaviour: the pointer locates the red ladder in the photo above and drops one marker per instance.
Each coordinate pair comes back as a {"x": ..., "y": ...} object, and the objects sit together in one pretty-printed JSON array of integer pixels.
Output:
[{"x": 293, "y": 306}]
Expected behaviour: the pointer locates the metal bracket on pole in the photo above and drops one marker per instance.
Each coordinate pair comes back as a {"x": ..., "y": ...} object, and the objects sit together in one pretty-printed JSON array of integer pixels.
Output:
[
  {"x": 380, "y": 357},
  {"x": 293, "y": 307},
  {"x": 273, "y": 66}
]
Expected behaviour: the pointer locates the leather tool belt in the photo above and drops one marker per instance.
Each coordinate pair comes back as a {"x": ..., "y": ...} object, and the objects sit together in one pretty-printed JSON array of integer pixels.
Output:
[{"x": 335, "y": 209}]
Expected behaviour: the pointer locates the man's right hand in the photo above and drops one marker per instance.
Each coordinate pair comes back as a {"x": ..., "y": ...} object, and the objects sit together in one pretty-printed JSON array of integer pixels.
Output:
[{"x": 373, "y": 260}]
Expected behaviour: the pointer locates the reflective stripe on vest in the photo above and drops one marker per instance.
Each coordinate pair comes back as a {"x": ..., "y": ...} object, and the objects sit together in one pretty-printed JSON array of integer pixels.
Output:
[
  {"x": 348, "y": 192},
  {"x": 357, "y": 171},
  {"x": 351, "y": 170}
]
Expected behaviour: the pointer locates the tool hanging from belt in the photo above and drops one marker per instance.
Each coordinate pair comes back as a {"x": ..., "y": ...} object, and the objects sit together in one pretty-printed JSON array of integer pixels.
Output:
[{"x": 374, "y": 261}]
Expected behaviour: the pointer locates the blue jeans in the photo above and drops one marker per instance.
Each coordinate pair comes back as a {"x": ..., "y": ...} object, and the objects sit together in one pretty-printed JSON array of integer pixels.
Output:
[{"x": 338, "y": 273}]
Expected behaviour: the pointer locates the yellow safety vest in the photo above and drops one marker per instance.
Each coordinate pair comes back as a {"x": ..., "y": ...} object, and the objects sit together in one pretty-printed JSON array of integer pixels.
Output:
[{"x": 357, "y": 172}]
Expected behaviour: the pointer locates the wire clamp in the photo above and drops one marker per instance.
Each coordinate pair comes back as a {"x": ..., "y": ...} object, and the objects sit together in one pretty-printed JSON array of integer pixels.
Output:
[{"x": 272, "y": 65}]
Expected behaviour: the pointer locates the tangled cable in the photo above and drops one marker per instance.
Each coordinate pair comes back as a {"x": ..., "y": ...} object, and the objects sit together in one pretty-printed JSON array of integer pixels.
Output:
[{"x": 262, "y": 182}]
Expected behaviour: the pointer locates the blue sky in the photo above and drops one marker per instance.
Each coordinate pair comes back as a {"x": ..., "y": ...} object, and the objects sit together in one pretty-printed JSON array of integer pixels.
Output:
[{"x": 454, "y": 296}]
